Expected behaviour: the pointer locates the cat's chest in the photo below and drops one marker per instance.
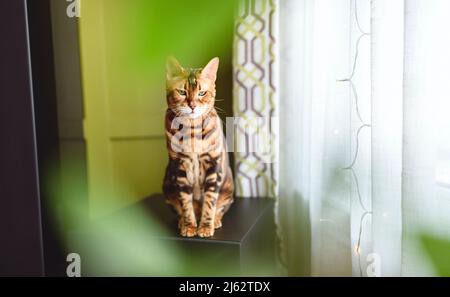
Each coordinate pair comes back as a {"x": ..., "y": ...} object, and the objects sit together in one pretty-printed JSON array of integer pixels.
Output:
[{"x": 196, "y": 175}]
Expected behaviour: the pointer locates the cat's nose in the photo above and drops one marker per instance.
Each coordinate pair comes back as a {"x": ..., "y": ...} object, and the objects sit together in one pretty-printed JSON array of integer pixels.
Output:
[{"x": 192, "y": 105}]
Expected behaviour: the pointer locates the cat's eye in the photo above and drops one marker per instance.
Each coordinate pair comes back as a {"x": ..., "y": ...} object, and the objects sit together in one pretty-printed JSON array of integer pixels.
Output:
[
  {"x": 181, "y": 92},
  {"x": 202, "y": 93}
]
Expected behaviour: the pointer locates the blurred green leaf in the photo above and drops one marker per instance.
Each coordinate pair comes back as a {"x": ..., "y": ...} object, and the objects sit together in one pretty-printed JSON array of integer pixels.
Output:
[{"x": 438, "y": 250}]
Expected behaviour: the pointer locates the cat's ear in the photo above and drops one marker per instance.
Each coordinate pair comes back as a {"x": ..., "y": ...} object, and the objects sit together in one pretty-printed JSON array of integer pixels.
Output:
[
  {"x": 210, "y": 70},
  {"x": 173, "y": 68}
]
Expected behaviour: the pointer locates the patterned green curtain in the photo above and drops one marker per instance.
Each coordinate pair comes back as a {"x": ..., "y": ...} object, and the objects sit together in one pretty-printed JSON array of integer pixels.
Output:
[{"x": 255, "y": 93}]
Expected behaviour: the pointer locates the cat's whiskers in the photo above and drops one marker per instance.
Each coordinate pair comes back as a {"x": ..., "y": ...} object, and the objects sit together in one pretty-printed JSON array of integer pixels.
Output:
[{"x": 220, "y": 110}]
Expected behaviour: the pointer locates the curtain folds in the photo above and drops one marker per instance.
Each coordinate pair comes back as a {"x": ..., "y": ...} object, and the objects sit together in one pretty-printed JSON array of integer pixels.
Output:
[
  {"x": 314, "y": 198},
  {"x": 387, "y": 31},
  {"x": 362, "y": 170},
  {"x": 426, "y": 130}
]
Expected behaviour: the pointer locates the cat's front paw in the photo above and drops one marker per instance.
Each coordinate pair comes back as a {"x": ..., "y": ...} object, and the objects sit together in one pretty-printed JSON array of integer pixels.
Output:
[
  {"x": 217, "y": 224},
  {"x": 188, "y": 231},
  {"x": 205, "y": 231}
]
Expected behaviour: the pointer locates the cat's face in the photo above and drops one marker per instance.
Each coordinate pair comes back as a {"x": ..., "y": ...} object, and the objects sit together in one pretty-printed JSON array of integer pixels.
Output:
[{"x": 191, "y": 92}]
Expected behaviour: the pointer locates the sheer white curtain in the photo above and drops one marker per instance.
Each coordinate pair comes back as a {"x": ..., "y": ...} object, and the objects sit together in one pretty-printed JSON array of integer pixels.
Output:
[
  {"x": 314, "y": 198},
  {"x": 387, "y": 35},
  {"x": 365, "y": 161},
  {"x": 426, "y": 129}
]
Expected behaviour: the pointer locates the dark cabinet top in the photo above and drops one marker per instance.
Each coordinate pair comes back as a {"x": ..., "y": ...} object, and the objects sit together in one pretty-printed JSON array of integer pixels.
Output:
[{"x": 242, "y": 216}]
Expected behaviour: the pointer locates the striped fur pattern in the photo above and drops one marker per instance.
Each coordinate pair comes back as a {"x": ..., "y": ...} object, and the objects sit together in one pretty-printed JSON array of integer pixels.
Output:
[{"x": 198, "y": 183}]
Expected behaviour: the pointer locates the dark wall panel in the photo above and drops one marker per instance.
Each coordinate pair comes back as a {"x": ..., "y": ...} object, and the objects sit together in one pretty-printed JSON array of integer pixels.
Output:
[{"x": 21, "y": 252}]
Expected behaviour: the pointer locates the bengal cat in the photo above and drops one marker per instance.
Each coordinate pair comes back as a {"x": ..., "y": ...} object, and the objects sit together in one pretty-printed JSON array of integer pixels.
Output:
[{"x": 198, "y": 182}]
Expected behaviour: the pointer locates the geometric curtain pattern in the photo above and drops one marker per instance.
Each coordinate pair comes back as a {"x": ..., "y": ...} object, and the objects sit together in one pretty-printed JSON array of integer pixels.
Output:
[{"x": 255, "y": 94}]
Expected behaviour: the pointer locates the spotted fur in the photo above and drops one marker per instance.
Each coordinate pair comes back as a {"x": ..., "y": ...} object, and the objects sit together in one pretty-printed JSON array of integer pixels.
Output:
[{"x": 198, "y": 182}]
